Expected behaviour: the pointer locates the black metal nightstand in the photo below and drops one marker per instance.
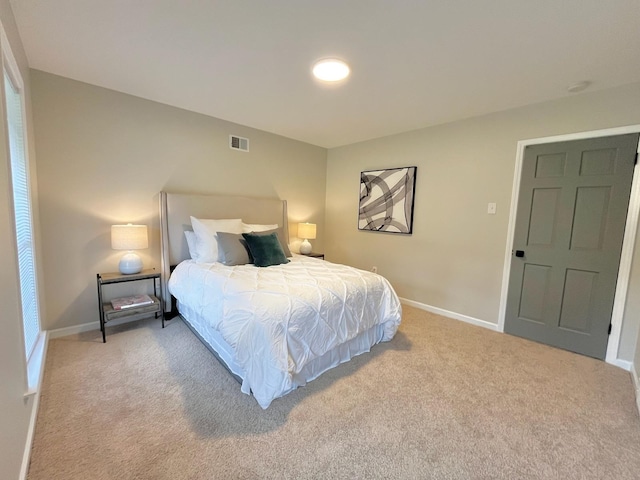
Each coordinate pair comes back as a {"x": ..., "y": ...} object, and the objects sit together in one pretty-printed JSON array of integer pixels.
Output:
[{"x": 107, "y": 312}]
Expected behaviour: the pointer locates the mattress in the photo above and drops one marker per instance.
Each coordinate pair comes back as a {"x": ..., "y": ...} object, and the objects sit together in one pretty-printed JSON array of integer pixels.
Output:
[{"x": 282, "y": 326}]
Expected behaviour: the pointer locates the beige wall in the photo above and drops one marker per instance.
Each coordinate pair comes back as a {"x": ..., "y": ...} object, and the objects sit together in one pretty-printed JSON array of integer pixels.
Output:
[
  {"x": 16, "y": 410},
  {"x": 454, "y": 259},
  {"x": 103, "y": 158}
]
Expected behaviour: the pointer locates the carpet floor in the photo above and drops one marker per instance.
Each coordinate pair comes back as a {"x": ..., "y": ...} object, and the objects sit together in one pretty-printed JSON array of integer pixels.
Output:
[{"x": 442, "y": 400}]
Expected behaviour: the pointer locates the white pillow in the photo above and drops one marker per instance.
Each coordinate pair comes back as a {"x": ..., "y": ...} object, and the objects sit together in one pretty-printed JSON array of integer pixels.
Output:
[
  {"x": 191, "y": 242},
  {"x": 206, "y": 243},
  {"x": 254, "y": 227}
]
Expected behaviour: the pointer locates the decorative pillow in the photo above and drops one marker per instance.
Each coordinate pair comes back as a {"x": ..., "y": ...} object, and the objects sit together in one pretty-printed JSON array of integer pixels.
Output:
[
  {"x": 255, "y": 227},
  {"x": 279, "y": 231},
  {"x": 232, "y": 249},
  {"x": 265, "y": 249},
  {"x": 205, "y": 230},
  {"x": 191, "y": 242}
]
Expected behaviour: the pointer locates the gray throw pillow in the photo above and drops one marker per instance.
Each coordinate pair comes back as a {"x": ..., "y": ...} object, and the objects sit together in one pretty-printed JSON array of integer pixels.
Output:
[{"x": 233, "y": 249}]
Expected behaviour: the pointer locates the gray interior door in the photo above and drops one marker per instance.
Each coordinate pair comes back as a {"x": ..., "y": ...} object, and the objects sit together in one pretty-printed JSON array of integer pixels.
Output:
[{"x": 570, "y": 221}]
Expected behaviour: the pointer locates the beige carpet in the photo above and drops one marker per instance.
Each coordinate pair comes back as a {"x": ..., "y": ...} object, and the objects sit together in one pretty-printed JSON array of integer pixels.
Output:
[{"x": 443, "y": 400}]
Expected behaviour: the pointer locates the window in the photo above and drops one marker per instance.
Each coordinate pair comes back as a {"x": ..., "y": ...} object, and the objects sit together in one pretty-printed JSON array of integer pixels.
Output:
[{"x": 14, "y": 102}]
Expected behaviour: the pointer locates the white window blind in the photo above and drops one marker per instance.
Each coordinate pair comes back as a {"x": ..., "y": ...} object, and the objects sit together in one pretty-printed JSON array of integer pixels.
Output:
[{"x": 22, "y": 206}]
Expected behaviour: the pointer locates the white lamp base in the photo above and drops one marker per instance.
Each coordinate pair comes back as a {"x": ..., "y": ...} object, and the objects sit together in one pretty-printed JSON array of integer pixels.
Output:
[
  {"x": 305, "y": 247},
  {"x": 130, "y": 263}
]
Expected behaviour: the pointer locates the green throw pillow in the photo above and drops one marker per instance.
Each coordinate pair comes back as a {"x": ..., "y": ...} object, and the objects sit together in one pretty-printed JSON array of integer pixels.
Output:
[
  {"x": 265, "y": 249},
  {"x": 283, "y": 243}
]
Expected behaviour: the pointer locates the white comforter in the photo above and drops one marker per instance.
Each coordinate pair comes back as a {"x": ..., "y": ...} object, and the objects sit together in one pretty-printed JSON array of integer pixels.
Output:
[{"x": 280, "y": 318}]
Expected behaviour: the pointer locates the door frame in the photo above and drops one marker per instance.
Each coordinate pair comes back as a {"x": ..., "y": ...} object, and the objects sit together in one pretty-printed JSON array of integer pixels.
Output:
[{"x": 626, "y": 257}]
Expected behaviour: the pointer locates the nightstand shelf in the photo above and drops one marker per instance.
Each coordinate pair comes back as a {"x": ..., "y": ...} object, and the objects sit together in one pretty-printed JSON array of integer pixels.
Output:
[
  {"x": 112, "y": 314},
  {"x": 316, "y": 255},
  {"x": 108, "y": 313}
]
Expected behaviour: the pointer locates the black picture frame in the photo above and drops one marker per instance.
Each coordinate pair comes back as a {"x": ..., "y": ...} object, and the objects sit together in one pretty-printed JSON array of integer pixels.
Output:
[{"x": 387, "y": 199}]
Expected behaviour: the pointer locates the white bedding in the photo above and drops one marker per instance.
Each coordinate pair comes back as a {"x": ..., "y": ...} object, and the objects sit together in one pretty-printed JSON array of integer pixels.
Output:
[{"x": 281, "y": 319}]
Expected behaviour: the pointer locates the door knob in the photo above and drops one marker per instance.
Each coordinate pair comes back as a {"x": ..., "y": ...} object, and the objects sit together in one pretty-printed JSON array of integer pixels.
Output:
[{"x": 519, "y": 253}]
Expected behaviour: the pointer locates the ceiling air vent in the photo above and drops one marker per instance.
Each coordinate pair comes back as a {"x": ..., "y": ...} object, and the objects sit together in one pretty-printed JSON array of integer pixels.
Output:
[{"x": 238, "y": 143}]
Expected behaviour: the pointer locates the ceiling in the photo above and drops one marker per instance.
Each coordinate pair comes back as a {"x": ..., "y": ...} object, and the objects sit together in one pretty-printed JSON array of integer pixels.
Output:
[{"x": 414, "y": 63}]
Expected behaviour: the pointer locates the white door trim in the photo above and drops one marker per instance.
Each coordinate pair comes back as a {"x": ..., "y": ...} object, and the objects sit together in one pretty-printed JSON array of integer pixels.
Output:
[{"x": 627, "y": 244}]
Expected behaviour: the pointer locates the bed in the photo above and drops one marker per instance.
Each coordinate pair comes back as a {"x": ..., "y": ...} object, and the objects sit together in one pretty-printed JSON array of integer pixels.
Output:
[{"x": 273, "y": 328}]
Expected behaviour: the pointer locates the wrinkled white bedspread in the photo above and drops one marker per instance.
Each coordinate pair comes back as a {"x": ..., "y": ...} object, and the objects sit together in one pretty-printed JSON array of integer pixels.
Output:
[{"x": 280, "y": 318}]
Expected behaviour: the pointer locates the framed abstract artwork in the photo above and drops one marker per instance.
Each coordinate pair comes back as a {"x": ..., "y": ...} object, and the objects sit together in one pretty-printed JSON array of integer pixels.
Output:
[{"x": 386, "y": 200}]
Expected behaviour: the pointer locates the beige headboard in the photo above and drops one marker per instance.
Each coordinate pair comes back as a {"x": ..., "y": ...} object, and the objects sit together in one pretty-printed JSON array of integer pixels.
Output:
[{"x": 176, "y": 208}]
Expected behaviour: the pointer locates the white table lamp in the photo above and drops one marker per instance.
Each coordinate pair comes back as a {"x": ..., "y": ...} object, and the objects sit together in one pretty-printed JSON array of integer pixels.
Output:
[
  {"x": 129, "y": 237},
  {"x": 306, "y": 231}
]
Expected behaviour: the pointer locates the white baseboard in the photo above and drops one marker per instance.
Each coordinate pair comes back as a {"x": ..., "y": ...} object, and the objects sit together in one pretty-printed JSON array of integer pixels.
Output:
[
  {"x": 636, "y": 385},
  {"x": 447, "y": 313},
  {"x": 87, "y": 327},
  {"x": 623, "y": 364},
  {"x": 26, "y": 456},
  {"x": 73, "y": 330}
]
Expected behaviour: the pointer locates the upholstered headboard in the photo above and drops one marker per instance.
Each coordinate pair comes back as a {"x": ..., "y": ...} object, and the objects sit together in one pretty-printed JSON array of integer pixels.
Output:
[{"x": 176, "y": 208}]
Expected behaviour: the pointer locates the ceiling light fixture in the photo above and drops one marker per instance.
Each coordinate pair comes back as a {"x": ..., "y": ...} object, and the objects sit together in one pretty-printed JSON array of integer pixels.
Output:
[
  {"x": 578, "y": 87},
  {"x": 331, "y": 70}
]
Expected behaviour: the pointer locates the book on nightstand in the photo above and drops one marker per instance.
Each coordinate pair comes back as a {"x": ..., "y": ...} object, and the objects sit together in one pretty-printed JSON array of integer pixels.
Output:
[{"x": 130, "y": 302}]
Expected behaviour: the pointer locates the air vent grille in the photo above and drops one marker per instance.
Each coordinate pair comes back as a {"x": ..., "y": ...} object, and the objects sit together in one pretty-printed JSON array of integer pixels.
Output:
[{"x": 238, "y": 143}]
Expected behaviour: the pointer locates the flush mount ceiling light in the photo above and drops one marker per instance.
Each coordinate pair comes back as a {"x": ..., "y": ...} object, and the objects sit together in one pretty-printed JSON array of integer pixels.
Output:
[{"x": 331, "y": 70}]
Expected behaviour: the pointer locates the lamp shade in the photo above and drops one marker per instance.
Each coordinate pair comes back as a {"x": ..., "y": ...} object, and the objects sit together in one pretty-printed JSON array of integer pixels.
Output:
[
  {"x": 307, "y": 230},
  {"x": 129, "y": 237}
]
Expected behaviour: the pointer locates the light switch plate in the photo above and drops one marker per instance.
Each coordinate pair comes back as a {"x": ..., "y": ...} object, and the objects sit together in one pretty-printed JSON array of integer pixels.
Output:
[{"x": 491, "y": 209}]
